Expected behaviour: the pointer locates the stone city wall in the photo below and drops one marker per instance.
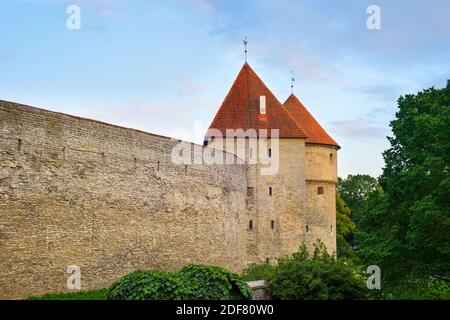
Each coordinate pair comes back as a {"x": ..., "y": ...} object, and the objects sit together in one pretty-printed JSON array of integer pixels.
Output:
[{"x": 108, "y": 200}]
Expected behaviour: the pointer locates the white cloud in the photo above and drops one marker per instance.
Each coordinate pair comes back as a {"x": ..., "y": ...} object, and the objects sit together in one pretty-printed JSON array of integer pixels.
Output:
[
  {"x": 360, "y": 129},
  {"x": 188, "y": 86}
]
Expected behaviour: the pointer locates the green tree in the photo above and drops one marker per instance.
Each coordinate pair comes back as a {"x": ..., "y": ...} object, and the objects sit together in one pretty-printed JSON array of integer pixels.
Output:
[
  {"x": 404, "y": 226},
  {"x": 355, "y": 190},
  {"x": 345, "y": 228}
]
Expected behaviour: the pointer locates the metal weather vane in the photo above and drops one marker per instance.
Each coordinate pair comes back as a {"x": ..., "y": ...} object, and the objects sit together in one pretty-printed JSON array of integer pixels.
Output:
[
  {"x": 245, "y": 46},
  {"x": 292, "y": 81}
]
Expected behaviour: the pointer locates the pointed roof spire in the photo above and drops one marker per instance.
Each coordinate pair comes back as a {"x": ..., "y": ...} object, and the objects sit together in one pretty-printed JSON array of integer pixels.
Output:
[
  {"x": 316, "y": 134},
  {"x": 241, "y": 108}
]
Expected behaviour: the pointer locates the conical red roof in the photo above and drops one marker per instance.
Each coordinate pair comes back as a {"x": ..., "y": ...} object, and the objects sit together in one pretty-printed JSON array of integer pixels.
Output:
[
  {"x": 315, "y": 133},
  {"x": 240, "y": 109}
]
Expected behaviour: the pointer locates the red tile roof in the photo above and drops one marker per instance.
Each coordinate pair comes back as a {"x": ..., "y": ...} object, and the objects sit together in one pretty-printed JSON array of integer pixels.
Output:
[
  {"x": 240, "y": 109},
  {"x": 316, "y": 134}
]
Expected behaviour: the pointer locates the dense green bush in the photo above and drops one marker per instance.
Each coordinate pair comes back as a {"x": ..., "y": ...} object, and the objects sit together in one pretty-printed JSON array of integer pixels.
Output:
[
  {"x": 208, "y": 282},
  {"x": 317, "y": 277},
  {"x": 193, "y": 282},
  {"x": 264, "y": 271},
  {"x": 146, "y": 285}
]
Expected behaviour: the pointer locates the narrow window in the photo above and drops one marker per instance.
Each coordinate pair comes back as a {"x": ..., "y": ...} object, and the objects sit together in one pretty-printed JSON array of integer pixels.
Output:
[
  {"x": 270, "y": 153},
  {"x": 185, "y": 170},
  {"x": 331, "y": 157},
  {"x": 320, "y": 190},
  {"x": 331, "y": 229},
  {"x": 307, "y": 228},
  {"x": 158, "y": 166},
  {"x": 262, "y": 104},
  {"x": 272, "y": 224},
  {"x": 19, "y": 144},
  {"x": 250, "y": 225},
  {"x": 270, "y": 191},
  {"x": 250, "y": 191}
]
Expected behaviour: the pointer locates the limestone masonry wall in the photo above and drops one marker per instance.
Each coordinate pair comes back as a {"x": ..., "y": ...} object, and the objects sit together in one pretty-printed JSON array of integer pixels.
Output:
[
  {"x": 109, "y": 200},
  {"x": 278, "y": 218},
  {"x": 321, "y": 179}
]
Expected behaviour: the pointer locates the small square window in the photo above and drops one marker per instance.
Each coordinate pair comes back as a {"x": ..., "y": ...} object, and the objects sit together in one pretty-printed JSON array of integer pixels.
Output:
[{"x": 320, "y": 190}]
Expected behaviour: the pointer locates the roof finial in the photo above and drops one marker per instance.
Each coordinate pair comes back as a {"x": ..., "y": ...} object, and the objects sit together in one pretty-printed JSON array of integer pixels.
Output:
[
  {"x": 292, "y": 81},
  {"x": 245, "y": 46}
]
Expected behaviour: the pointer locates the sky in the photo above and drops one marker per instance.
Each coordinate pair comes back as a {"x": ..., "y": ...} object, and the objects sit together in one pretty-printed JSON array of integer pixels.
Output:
[{"x": 166, "y": 66}]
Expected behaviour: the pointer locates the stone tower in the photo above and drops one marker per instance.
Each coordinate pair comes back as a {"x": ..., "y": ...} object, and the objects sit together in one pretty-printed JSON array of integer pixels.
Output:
[
  {"x": 320, "y": 177},
  {"x": 280, "y": 215}
]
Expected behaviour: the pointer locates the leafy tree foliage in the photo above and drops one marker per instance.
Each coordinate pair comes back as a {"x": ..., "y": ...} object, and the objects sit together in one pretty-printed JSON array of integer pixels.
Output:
[
  {"x": 193, "y": 282},
  {"x": 265, "y": 271},
  {"x": 317, "y": 277},
  {"x": 345, "y": 228},
  {"x": 355, "y": 190},
  {"x": 404, "y": 226}
]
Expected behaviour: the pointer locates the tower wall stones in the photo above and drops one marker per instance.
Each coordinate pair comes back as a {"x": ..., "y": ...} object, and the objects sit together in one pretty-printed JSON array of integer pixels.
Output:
[
  {"x": 321, "y": 179},
  {"x": 277, "y": 206}
]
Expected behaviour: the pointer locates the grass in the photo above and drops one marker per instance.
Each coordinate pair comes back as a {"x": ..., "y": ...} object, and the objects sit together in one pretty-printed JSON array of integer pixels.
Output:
[{"x": 79, "y": 295}]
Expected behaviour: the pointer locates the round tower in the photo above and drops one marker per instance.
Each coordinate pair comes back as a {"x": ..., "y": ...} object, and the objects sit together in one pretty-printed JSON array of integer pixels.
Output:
[
  {"x": 320, "y": 181},
  {"x": 320, "y": 178}
]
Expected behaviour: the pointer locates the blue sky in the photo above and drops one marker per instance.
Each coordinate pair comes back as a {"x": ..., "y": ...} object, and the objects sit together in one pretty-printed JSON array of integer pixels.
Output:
[{"x": 165, "y": 66}]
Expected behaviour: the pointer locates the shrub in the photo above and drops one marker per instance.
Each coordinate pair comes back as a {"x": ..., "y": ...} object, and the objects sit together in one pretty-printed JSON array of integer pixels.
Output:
[
  {"x": 146, "y": 285},
  {"x": 318, "y": 277},
  {"x": 193, "y": 282},
  {"x": 264, "y": 271},
  {"x": 209, "y": 282}
]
